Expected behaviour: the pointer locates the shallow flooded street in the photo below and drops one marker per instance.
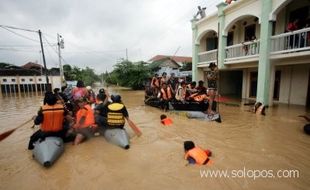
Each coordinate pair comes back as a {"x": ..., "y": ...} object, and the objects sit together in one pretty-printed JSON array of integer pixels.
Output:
[{"x": 243, "y": 142}]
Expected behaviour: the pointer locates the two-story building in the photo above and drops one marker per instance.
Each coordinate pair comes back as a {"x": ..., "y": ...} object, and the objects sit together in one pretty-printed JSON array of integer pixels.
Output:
[{"x": 262, "y": 50}]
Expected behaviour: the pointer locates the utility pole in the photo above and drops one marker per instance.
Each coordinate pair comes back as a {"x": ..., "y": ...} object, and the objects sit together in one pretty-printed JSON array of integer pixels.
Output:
[
  {"x": 42, "y": 50},
  {"x": 126, "y": 54},
  {"x": 60, "y": 44}
]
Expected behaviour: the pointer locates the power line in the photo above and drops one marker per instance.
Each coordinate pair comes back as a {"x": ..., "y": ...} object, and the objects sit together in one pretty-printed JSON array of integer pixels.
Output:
[
  {"x": 20, "y": 35},
  {"x": 17, "y": 50},
  {"x": 16, "y": 28},
  {"x": 17, "y": 46}
]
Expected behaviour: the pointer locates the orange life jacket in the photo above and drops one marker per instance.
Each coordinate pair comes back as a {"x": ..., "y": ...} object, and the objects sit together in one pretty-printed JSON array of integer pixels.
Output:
[
  {"x": 166, "y": 94},
  {"x": 199, "y": 155},
  {"x": 200, "y": 98},
  {"x": 167, "y": 121},
  {"x": 155, "y": 82},
  {"x": 88, "y": 113},
  {"x": 53, "y": 117}
]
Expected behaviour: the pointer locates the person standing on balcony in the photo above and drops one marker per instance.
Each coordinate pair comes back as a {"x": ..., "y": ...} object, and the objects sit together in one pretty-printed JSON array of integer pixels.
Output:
[
  {"x": 245, "y": 47},
  {"x": 253, "y": 45},
  {"x": 293, "y": 39}
]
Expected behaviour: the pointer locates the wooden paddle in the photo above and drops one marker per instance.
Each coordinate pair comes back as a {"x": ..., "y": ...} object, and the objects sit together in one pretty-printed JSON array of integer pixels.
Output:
[
  {"x": 9, "y": 132},
  {"x": 134, "y": 127}
]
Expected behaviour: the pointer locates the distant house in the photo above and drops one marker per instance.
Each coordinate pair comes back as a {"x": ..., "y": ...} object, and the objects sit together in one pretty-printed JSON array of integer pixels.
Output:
[
  {"x": 27, "y": 78},
  {"x": 179, "y": 59},
  {"x": 33, "y": 66},
  {"x": 168, "y": 64}
]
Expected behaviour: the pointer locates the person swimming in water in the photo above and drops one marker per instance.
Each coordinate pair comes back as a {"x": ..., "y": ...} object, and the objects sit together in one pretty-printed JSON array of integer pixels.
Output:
[
  {"x": 307, "y": 126},
  {"x": 196, "y": 155}
]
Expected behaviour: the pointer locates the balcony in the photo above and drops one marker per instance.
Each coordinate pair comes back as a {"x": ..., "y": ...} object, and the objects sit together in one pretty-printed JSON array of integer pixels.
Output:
[
  {"x": 207, "y": 57},
  {"x": 242, "y": 51},
  {"x": 296, "y": 41},
  {"x": 289, "y": 44}
]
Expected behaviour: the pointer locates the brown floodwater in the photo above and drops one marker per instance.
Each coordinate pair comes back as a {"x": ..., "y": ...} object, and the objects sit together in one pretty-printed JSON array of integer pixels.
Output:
[{"x": 244, "y": 143}]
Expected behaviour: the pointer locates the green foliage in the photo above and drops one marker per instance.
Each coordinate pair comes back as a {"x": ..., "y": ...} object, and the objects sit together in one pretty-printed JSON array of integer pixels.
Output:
[
  {"x": 87, "y": 75},
  {"x": 4, "y": 65},
  {"x": 128, "y": 74},
  {"x": 186, "y": 66}
]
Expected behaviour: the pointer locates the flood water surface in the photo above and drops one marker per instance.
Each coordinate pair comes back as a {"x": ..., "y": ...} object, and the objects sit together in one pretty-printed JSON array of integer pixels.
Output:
[{"x": 254, "y": 152}]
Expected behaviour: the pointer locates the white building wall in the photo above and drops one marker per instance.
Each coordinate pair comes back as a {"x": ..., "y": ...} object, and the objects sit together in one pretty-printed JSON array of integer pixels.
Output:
[
  {"x": 239, "y": 10},
  {"x": 293, "y": 86},
  {"x": 10, "y": 80},
  {"x": 206, "y": 25}
]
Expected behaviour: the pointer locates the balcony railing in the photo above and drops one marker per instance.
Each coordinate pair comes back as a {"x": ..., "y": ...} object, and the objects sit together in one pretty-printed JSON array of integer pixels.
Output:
[
  {"x": 298, "y": 40},
  {"x": 207, "y": 56},
  {"x": 244, "y": 49}
]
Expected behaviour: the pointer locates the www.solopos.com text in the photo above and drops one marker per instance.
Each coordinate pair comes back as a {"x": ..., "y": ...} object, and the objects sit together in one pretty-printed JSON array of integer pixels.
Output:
[{"x": 250, "y": 173}]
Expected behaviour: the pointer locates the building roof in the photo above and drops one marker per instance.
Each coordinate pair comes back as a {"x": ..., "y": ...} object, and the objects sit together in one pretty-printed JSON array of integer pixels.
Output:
[
  {"x": 20, "y": 72},
  {"x": 178, "y": 59},
  {"x": 164, "y": 62},
  {"x": 31, "y": 65}
]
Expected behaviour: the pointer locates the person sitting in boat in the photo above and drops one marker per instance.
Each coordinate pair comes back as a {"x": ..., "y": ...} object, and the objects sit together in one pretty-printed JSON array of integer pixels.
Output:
[
  {"x": 51, "y": 117},
  {"x": 103, "y": 91},
  {"x": 196, "y": 155},
  {"x": 173, "y": 83},
  {"x": 155, "y": 84},
  {"x": 85, "y": 122},
  {"x": 191, "y": 88},
  {"x": 181, "y": 92},
  {"x": 165, "y": 95},
  {"x": 101, "y": 111},
  {"x": 200, "y": 96},
  {"x": 116, "y": 113},
  {"x": 201, "y": 87},
  {"x": 79, "y": 91},
  {"x": 59, "y": 96},
  {"x": 91, "y": 95},
  {"x": 212, "y": 77},
  {"x": 164, "y": 78}
]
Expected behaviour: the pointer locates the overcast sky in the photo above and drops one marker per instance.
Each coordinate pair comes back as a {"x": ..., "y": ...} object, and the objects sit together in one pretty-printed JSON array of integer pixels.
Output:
[{"x": 96, "y": 33}]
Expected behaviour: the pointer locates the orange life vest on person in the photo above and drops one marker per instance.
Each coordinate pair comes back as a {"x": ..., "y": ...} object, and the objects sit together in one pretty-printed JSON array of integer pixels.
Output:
[
  {"x": 166, "y": 94},
  {"x": 166, "y": 121},
  {"x": 53, "y": 117},
  {"x": 89, "y": 116},
  {"x": 199, "y": 98},
  {"x": 199, "y": 155},
  {"x": 155, "y": 82}
]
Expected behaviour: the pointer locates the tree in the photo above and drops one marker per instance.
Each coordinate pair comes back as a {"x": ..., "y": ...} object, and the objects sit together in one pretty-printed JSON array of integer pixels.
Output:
[
  {"x": 187, "y": 66},
  {"x": 87, "y": 75},
  {"x": 128, "y": 74}
]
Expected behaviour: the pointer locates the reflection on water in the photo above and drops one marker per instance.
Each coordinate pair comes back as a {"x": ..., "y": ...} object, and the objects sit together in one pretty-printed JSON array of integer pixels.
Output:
[
  {"x": 155, "y": 160},
  {"x": 18, "y": 108}
]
